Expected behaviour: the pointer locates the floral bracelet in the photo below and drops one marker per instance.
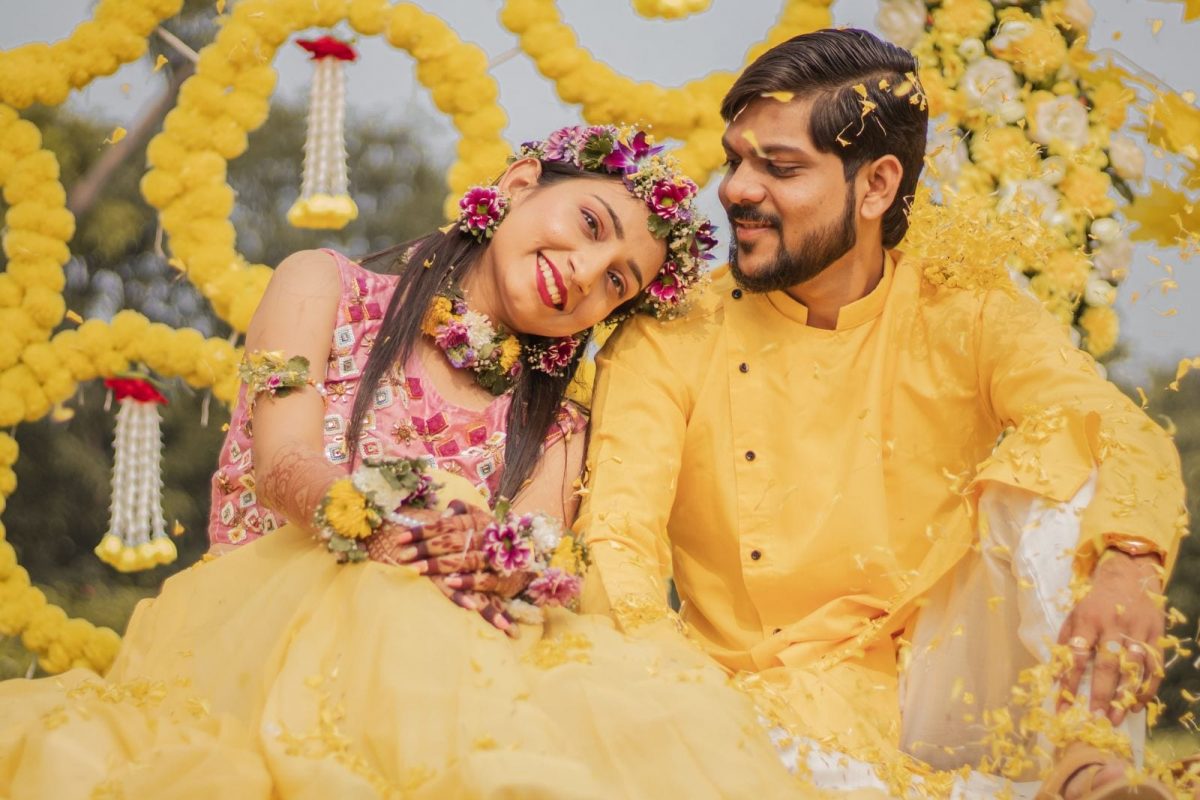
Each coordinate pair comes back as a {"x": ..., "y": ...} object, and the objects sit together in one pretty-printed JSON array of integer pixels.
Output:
[
  {"x": 376, "y": 492},
  {"x": 537, "y": 544},
  {"x": 270, "y": 372}
]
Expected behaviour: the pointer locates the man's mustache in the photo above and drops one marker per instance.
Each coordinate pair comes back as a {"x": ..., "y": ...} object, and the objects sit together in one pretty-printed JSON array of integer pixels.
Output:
[{"x": 740, "y": 213}]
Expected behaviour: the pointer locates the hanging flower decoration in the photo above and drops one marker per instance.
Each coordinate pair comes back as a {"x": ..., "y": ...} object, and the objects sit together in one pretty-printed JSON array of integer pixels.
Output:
[
  {"x": 137, "y": 533},
  {"x": 325, "y": 200}
]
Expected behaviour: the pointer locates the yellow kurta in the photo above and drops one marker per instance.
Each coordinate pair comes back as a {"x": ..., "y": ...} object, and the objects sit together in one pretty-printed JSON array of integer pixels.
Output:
[{"x": 805, "y": 486}]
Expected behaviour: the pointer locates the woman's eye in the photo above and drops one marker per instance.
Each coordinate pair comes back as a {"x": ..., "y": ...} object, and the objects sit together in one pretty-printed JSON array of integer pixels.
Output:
[
  {"x": 592, "y": 223},
  {"x": 618, "y": 282}
]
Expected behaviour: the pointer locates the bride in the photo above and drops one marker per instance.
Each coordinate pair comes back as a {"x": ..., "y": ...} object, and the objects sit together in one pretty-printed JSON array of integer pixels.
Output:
[{"x": 374, "y": 622}]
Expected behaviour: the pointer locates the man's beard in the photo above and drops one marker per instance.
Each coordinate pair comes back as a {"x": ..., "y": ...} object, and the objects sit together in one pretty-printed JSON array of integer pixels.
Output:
[{"x": 816, "y": 252}]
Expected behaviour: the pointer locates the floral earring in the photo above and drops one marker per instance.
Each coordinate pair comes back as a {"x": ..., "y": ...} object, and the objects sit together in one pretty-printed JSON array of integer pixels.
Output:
[
  {"x": 554, "y": 356},
  {"x": 482, "y": 209}
]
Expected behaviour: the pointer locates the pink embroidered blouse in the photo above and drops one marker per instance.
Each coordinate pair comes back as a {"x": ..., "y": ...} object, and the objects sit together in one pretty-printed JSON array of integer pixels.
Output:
[{"x": 408, "y": 419}]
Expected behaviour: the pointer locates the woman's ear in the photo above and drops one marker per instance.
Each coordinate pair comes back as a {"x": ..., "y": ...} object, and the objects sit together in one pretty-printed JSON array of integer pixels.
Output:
[
  {"x": 521, "y": 174},
  {"x": 882, "y": 178}
]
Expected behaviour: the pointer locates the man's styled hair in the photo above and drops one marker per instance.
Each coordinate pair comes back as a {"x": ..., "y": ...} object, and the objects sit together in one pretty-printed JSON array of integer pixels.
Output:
[{"x": 833, "y": 68}]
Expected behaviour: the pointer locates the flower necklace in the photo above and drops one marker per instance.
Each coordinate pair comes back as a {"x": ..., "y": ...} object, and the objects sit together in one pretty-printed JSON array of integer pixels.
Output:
[{"x": 471, "y": 341}]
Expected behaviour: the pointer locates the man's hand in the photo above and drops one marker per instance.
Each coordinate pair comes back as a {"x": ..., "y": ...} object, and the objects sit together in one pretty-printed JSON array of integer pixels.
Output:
[{"x": 1119, "y": 622}]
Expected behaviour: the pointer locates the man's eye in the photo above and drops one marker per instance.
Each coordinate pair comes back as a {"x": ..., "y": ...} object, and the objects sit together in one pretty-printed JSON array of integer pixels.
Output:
[{"x": 782, "y": 170}]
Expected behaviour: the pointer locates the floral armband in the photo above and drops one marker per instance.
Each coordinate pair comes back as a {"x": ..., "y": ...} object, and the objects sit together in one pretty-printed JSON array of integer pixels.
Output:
[
  {"x": 537, "y": 544},
  {"x": 356, "y": 507},
  {"x": 269, "y": 372}
]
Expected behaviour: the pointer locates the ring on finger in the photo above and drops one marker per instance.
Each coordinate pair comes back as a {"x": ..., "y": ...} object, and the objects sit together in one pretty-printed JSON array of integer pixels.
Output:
[
  {"x": 1135, "y": 649},
  {"x": 1079, "y": 644},
  {"x": 1112, "y": 647}
]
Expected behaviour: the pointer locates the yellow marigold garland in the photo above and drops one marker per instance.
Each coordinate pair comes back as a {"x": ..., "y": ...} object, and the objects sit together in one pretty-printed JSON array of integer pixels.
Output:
[
  {"x": 229, "y": 95},
  {"x": 690, "y": 112},
  {"x": 670, "y": 9},
  {"x": 116, "y": 34}
]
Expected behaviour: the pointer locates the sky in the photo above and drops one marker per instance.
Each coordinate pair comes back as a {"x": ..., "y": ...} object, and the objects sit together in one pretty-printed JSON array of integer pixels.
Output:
[{"x": 382, "y": 83}]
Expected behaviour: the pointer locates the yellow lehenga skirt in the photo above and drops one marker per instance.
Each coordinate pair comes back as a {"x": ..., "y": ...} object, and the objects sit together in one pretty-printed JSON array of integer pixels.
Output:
[{"x": 274, "y": 672}]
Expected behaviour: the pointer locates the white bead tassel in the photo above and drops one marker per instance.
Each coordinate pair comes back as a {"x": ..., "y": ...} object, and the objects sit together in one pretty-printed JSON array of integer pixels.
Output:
[
  {"x": 325, "y": 200},
  {"x": 137, "y": 537}
]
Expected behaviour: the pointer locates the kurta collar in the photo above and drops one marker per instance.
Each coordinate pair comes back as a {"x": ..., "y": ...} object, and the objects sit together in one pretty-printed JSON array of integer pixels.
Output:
[{"x": 860, "y": 311}]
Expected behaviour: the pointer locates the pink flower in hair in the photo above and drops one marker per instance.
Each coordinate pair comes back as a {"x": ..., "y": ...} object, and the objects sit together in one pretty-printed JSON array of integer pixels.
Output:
[
  {"x": 481, "y": 210},
  {"x": 667, "y": 198}
]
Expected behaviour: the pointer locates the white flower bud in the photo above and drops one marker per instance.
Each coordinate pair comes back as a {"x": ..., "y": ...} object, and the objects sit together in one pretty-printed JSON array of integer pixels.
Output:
[
  {"x": 1105, "y": 230},
  {"x": 971, "y": 49},
  {"x": 1128, "y": 160},
  {"x": 1099, "y": 292},
  {"x": 902, "y": 21}
]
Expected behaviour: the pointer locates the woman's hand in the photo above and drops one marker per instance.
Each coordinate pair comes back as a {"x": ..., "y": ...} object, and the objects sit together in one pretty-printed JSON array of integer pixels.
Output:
[{"x": 443, "y": 546}]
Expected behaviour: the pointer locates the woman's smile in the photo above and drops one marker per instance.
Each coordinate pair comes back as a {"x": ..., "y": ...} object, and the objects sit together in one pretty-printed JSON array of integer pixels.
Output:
[{"x": 550, "y": 283}]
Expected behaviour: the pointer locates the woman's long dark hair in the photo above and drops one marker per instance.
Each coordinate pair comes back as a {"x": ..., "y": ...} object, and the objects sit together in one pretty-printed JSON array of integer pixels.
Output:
[{"x": 426, "y": 266}]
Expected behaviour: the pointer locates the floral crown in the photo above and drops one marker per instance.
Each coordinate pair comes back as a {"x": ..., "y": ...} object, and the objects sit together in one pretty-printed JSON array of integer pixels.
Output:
[{"x": 656, "y": 179}]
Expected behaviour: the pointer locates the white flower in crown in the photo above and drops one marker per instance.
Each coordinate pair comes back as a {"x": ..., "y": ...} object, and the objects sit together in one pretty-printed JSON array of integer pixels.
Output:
[
  {"x": 1079, "y": 13},
  {"x": 546, "y": 532},
  {"x": 1061, "y": 120},
  {"x": 1029, "y": 197},
  {"x": 902, "y": 21},
  {"x": 989, "y": 83},
  {"x": 1113, "y": 259},
  {"x": 947, "y": 153},
  {"x": 1128, "y": 160}
]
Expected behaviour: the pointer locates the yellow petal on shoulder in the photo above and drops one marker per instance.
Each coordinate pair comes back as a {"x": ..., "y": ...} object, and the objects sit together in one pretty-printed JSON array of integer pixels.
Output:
[
  {"x": 74, "y": 317},
  {"x": 117, "y": 135},
  {"x": 160, "y": 62},
  {"x": 1156, "y": 25},
  {"x": 220, "y": 6}
]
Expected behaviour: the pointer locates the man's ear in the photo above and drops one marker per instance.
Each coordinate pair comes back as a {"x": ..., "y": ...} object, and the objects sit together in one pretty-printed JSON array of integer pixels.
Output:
[
  {"x": 521, "y": 175},
  {"x": 880, "y": 184}
]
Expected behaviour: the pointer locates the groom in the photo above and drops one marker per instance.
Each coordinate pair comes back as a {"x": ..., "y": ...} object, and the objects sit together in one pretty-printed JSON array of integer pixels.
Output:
[{"x": 805, "y": 452}]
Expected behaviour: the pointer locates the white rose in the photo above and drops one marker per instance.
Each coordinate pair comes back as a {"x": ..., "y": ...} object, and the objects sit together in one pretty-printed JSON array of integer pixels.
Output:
[
  {"x": 1008, "y": 34},
  {"x": 1063, "y": 119},
  {"x": 989, "y": 82},
  {"x": 947, "y": 153},
  {"x": 1128, "y": 160},
  {"x": 1026, "y": 196},
  {"x": 1113, "y": 259},
  {"x": 1079, "y": 13},
  {"x": 1105, "y": 230},
  {"x": 1099, "y": 292},
  {"x": 902, "y": 21}
]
